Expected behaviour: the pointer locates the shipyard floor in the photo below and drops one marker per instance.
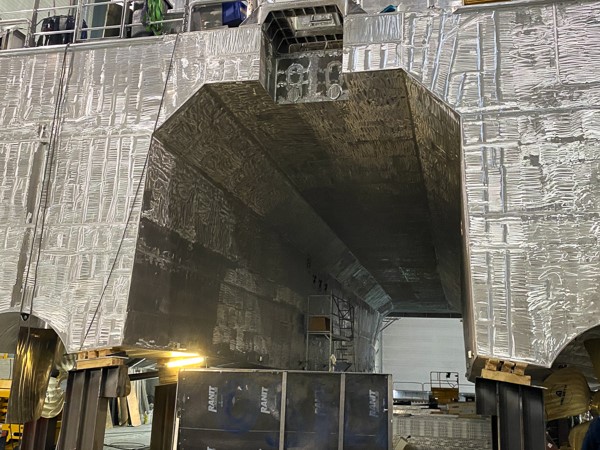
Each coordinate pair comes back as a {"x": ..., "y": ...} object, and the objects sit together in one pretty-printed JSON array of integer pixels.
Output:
[
  {"x": 120, "y": 438},
  {"x": 128, "y": 438}
]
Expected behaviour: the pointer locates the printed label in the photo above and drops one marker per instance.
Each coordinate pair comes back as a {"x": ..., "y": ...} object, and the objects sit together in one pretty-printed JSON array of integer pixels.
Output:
[
  {"x": 263, "y": 401},
  {"x": 213, "y": 393},
  {"x": 373, "y": 403}
]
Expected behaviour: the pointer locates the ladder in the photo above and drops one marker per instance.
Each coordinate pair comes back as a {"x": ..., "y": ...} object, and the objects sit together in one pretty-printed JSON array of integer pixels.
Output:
[{"x": 344, "y": 350}]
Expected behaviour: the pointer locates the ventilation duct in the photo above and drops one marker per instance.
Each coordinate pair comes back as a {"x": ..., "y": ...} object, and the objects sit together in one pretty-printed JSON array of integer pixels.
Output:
[{"x": 302, "y": 29}]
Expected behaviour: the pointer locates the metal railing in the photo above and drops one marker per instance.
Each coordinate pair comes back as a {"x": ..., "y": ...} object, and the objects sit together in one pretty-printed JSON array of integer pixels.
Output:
[
  {"x": 422, "y": 391},
  {"x": 400, "y": 386},
  {"x": 81, "y": 15},
  {"x": 444, "y": 379}
]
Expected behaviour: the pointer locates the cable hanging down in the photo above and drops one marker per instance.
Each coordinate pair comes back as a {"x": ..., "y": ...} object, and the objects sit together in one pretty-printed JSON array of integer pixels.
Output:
[{"x": 138, "y": 190}]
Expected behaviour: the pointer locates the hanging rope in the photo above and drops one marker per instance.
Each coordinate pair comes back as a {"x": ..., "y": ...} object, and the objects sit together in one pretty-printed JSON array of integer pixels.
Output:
[{"x": 138, "y": 191}]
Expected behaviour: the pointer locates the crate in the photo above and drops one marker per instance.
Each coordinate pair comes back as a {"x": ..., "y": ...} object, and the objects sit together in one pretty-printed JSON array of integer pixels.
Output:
[
  {"x": 319, "y": 323},
  {"x": 234, "y": 13},
  {"x": 445, "y": 395}
]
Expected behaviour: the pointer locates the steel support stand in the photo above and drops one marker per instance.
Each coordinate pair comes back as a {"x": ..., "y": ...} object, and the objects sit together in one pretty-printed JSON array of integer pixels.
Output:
[
  {"x": 163, "y": 417},
  {"x": 86, "y": 405},
  {"x": 517, "y": 413},
  {"x": 40, "y": 434}
]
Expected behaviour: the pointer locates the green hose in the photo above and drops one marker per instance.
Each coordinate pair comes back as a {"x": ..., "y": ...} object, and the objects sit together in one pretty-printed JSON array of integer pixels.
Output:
[{"x": 154, "y": 13}]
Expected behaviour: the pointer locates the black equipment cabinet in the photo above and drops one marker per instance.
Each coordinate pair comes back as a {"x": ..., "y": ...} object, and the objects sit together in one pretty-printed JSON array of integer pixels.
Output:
[{"x": 264, "y": 410}]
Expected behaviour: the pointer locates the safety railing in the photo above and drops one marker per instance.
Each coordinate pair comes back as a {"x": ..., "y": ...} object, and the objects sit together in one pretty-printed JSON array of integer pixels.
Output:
[
  {"x": 79, "y": 21},
  {"x": 413, "y": 385},
  {"x": 85, "y": 20},
  {"x": 415, "y": 390},
  {"x": 448, "y": 380}
]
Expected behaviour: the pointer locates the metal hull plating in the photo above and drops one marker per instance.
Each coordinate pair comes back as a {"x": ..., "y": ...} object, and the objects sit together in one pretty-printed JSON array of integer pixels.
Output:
[
  {"x": 123, "y": 239},
  {"x": 524, "y": 81}
]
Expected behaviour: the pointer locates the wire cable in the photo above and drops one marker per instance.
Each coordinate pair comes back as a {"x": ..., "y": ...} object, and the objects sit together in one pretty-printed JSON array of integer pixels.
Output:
[
  {"x": 40, "y": 216},
  {"x": 135, "y": 199},
  {"x": 46, "y": 180}
]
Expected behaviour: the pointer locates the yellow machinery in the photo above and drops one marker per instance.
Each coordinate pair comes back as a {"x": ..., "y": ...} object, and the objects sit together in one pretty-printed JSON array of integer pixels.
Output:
[
  {"x": 14, "y": 431},
  {"x": 445, "y": 387}
]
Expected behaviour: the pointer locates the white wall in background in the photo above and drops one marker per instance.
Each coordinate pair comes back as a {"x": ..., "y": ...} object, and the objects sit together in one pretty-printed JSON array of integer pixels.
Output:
[{"x": 414, "y": 347}]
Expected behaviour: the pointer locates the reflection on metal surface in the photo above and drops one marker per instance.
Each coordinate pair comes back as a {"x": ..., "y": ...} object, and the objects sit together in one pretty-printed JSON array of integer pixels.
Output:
[
  {"x": 10, "y": 327},
  {"x": 350, "y": 160},
  {"x": 251, "y": 281},
  {"x": 33, "y": 363},
  {"x": 55, "y": 395},
  {"x": 438, "y": 138}
]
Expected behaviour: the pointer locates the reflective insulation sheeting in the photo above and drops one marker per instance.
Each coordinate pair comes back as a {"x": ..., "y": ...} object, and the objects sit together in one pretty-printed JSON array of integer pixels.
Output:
[
  {"x": 204, "y": 217},
  {"x": 523, "y": 80},
  {"x": 114, "y": 210}
]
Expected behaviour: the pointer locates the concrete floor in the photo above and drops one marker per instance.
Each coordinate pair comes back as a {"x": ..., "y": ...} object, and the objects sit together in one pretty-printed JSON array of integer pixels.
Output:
[
  {"x": 128, "y": 438},
  {"x": 120, "y": 438}
]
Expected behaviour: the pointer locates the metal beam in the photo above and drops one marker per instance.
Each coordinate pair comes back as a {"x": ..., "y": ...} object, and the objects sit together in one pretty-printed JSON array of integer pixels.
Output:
[
  {"x": 163, "y": 420},
  {"x": 517, "y": 413},
  {"x": 39, "y": 435},
  {"x": 86, "y": 405}
]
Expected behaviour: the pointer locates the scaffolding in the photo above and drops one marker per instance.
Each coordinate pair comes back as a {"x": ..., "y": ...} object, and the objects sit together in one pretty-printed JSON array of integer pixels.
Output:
[{"x": 330, "y": 327}]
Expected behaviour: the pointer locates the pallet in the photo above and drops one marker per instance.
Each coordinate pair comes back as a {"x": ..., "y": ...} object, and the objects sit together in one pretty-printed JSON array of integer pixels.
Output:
[
  {"x": 94, "y": 359},
  {"x": 506, "y": 371},
  {"x": 94, "y": 354}
]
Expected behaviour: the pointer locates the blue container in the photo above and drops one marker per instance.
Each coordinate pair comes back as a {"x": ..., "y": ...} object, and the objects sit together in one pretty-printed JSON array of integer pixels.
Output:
[{"x": 234, "y": 13}]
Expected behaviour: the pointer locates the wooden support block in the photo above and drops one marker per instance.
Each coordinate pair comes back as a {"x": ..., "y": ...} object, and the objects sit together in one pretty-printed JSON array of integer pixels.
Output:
[
  {"x": 506, "y": 377},
  {"x": 508, "y": 367},
  {"x": 517, "y": 368},
  {"x": 520, "y": 368},
  {"x": 99, "y": 362},
  {"x": 492, "y": 364},
  {"x": 167, "y": 375},
  {"x": 134, "y": 409},
  {"x": 93, "y": 354},
  {"x": 109, "y": 420}
]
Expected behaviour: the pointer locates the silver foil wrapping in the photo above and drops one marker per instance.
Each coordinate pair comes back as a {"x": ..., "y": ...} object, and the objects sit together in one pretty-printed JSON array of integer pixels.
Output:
[
  {"x": 524, "y": 80},
  {"x": 517, "y": 82},
  {"x": 99, "y": 133},
  {"x": 172, "y": 242}
]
